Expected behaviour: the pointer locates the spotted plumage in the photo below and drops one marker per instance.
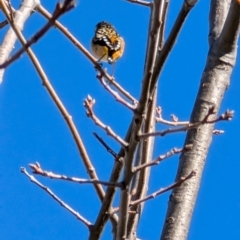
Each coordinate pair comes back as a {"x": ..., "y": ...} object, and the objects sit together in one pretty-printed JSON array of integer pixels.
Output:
[{"x": 107, "y": 45}]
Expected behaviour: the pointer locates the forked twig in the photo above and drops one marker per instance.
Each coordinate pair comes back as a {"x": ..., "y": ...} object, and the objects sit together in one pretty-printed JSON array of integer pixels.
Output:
[
  {"x": 175, "y": 122},
  {"x": 88, "y": 104},
  {"x": 226, "y": 116},
  {"x": 55, "y": 197}
]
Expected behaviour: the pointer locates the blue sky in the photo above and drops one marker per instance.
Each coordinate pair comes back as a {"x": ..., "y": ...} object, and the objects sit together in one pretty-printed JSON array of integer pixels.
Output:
[{"x": 32, "y": 129}]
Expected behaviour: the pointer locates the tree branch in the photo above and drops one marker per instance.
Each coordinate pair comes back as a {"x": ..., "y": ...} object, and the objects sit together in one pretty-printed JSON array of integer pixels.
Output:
[
  {"x": 106, "y": 147},
  {"x": 54, "y": 196},
  {"x": 158, "y": 159},
  {"x": 88, "y": 104},
  {"x": 20, "y": 17},
  {"x": 116, "y": 94},
  {"x": 36, "y": 168},
  {"x": 60, "y": 9},
  {"x": 163, "y": 190},
  {"x": 163, "y": 54},
  {"x": 226, "y": 116},
  {"x": 159, "y": 192},
  {"x": 140, "y": 2},
  {"x": 214, "y": 82}
]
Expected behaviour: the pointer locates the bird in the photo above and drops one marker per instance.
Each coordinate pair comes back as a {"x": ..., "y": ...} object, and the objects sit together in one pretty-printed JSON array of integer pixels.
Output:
[{"x": 107, "y": 45}]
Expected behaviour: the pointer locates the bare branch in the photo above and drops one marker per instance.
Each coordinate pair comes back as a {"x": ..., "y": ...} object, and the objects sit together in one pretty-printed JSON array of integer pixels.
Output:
[
  {"x": 227, "y": 116},
  {"x": 60, "y": 9},
  {"x": 140, "y": 182},
  {"x": 218, "y": 132},
  {"x": 116, "y": 94},
  {"x": 159, "y": 192},
  {"x": 158, "y": 159},
  {"x": 163, "y": 190},
  {"x": 163, "y": 54},
  {"x": 140, "y": 2},
  {"x": 139, "y": 186},
  {"x": 54, "y": 196},
  {"x": 88, "y": 104},
  {"x": 38, "y": 170},
  {"x": 214, "y": 82},
  {"x": 175, "y": 121},
  {"x": 218, "y": 12},
  {"x": 3, "y": 24},
  {"x": 157, "y": 19},
  {"x": 10, "y": 38},
  {"x": 114, "y": 154}
]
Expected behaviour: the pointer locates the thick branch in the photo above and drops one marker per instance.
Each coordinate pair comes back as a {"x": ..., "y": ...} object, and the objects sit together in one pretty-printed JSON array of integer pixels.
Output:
[
  {"x": 20, "y": 16},
  {"x": 163, "y": 54},
  {"x": 214, "y": 82},
  {"x": 140, "y": 181},
  {"x": 217, "y": 17},
  {"x": 153, "y": 43}
]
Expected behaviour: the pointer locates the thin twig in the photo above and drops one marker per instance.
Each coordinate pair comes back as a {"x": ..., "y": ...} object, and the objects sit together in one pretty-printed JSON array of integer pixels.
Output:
[
  {"x": 116, "y": 94},
  {"x": 3, "y": 24},
  {"x": 54, "y": 196},
  {"x": 88, "y": 104},
  {"x": 114, "y": 154},
  {"x": 166, "y": 131},
  {"x": 107, "y": 201},
  {"x": 218, "y": 131},
  {"x": 158, "y": 159},
  {"x": 36, "y": 168},
  {"x": 163, "y": 190},
  {"x": 140, "y": 2},
  {"x": 159, "y": 192},
  {"x": 226, "y": 116},
  {"x": 175, "y": 122},
  {"x": 60, "y": 9}
]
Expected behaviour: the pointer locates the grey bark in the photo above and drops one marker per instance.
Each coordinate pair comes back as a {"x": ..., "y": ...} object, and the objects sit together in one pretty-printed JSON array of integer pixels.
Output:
[{"x": 224, "y": 31}]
